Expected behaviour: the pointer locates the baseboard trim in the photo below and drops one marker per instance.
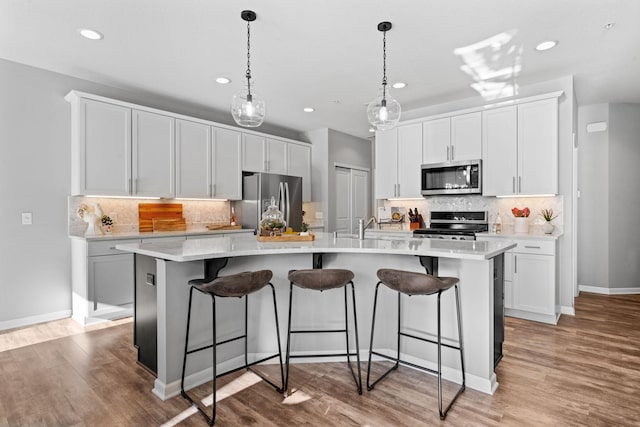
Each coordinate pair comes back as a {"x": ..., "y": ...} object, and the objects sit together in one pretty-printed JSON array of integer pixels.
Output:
[
  {"x": 570, "y": 311},
  {"x": 32, "y": 320},
  {"x": 609, "y": 291}
]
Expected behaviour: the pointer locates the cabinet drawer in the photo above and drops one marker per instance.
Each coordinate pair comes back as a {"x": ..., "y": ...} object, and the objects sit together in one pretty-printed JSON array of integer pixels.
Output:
[
  {"x": 539, "y": 247},
  {"x": 107, "y": 247}
]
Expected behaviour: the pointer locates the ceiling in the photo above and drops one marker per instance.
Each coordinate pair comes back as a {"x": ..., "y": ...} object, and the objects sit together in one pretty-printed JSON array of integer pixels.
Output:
[{"x": 327, "y": 54}]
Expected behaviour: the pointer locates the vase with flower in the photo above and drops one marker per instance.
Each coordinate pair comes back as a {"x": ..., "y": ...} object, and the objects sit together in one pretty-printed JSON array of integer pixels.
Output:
[
  {"x": 548, "y": 216},
  {"x": 520, "y": 220}
]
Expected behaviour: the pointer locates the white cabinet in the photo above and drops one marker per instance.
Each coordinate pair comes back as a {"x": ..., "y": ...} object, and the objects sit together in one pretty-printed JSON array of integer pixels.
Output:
[
  {"x": 120, "y": 151},
  {"x": 299, "y": 162},
  {"x": 398, "y": 160},
  {"x": 102, "y": 280},
  {"x": 530, "y": 279},
  {"x": 153, "y": 154},
  {"x": 262, "y": 154},
  {"x": 452, "y": 138},
  {"x": 520, "y": 149},
  {"x": 100, "y": 148},
  {"x": 207, "y": 161}
]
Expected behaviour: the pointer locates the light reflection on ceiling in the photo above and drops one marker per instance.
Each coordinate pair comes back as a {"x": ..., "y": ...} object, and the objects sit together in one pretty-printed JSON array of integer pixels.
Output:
[{"x": 494, "y": 65}]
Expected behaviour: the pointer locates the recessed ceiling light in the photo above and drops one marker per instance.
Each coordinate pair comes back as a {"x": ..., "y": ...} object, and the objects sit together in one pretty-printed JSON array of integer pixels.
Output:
[
  {"x": 372, "y": 130},
  {"x": 90, "y": 34},
  {"x": 399, "y": 85},
  {"x": 609, "y": 25},
  {"x": 223, "y": 80},
  {"x": 546, "y": 45},
  {"x": 308, "y": 109}
]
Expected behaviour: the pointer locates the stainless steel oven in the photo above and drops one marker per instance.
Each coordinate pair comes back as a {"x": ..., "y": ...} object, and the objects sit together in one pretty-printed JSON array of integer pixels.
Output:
[
  {"x": 461, "y": 177},
  {"x": 454, "y": 225}
]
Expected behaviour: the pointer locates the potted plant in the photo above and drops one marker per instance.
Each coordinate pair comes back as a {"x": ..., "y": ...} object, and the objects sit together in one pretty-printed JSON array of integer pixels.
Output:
[
  {"x": 520, "y": 220},
  {"x": 106, "y": 223},
  {"x": 304, "y": 229},
  {"x": 548, "y": 216}
]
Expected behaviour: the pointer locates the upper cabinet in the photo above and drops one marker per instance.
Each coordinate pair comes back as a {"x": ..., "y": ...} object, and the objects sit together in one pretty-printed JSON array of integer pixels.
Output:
[
  {"x": 452, "y": 138},
  {"x": 207, "y": 161},
  {"x": 520, "y": 154},
  {"x": 122, "y": 149},
  {"x": 398, "y": 160},
  {"x": 153, "y": 155}
]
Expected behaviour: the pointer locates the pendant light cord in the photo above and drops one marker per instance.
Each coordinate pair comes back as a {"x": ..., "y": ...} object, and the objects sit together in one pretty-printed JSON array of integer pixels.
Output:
[
  {"x": 384, "y": 66},
  {"x": 248, "y": 74}
]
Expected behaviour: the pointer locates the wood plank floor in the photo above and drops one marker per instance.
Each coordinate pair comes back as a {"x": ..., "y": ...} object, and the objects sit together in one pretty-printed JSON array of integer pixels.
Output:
[{"x": 583, "y": 372}]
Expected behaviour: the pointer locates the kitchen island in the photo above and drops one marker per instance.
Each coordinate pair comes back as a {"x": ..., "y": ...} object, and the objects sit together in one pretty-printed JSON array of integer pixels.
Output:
[{"x": 164, "y": 268}]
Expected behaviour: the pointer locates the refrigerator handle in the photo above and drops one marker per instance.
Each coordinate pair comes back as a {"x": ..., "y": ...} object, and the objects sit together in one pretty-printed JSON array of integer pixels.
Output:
[
  {"x": 280, "y": 201},
  {"x": 287, "y": 201}
]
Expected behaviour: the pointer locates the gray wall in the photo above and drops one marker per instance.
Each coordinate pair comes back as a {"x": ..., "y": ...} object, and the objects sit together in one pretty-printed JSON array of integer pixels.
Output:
[
  {"x": 624, "y": 196},
  {"x": 328, "y": 148},
  {"x": 35, "y": 131},
  {"x": 593, "y": 173}
]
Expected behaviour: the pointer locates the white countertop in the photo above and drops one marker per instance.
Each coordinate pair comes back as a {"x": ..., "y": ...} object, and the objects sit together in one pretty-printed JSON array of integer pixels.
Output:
[
  {"x": 535, "y": 233},
  {"x": 152, "y": 234},
  {"x": 248, "y": 245}
]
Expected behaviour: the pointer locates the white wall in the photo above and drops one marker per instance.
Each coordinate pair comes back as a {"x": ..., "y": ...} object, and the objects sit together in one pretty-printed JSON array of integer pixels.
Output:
[
  {"x": 593, "y": 178},
  {"x": 35, "y": 131},
  {"x": 624, "y": 196}
]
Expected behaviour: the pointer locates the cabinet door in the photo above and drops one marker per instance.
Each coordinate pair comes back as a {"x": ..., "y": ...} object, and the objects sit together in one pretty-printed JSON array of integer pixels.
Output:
[
  {"x": 436, "y": 140},
  {"x": 193, "y": 159},
  {"x": 499, "y": 144},
  {"x": 253, "y": 153},
  {"x": 111, "y": 284},
  {"x": 534, "y": 283},
  {"x": 227, "y": 172},
  {"x": 409, "y": 160},
  {"x": 102, "y": 144},
  {"x": 299, "y": 162},
  {"x": 276, "y": 156},
  {"x": 386, "y": 164},
  {"x": 538, "y": 147},
  {"x": 466, "y": 137},
  {"x": 153, "y": 157},
  {"x": 508, "y": 279}
]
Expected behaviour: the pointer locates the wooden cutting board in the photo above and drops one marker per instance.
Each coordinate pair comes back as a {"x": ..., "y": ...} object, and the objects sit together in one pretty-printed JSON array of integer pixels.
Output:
[
  {"x": 148, "y": 211},
  {"x": 223, "y": 227},
  {"x": 169, "y": 224}
]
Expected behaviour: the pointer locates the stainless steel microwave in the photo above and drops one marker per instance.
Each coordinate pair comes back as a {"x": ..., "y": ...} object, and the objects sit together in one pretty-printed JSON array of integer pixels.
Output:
[{"x": 461, "y": 177}]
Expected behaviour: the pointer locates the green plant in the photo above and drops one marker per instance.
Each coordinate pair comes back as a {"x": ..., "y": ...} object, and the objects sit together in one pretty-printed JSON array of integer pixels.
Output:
[
  {"x": 548, "y": 215},
  {"x": 106, "y": 220},
  {"x": 305, "y": 226}
]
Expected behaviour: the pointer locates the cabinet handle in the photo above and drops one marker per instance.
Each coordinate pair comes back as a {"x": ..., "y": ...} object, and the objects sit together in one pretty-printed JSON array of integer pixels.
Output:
[
  {"x": 515, "y": 264},
  {"x": 398, "y": 195},
  {"x": 513, "y": 184},
  {"x": 519, "y": 184},
  {"x": 452, "y": 157},
  {"x": 447, "y": 153},
  {"x": 532, "y": 247}
]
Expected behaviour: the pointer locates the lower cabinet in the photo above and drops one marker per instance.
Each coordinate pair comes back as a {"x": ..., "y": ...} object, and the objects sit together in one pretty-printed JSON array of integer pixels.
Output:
[
  {"x": 102, "y": 280},
  {"x": 530, "y": 284}
]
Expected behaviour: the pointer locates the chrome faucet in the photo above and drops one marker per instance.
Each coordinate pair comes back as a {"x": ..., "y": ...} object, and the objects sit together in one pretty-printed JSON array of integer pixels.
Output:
[{"x": 362, "y": 226}]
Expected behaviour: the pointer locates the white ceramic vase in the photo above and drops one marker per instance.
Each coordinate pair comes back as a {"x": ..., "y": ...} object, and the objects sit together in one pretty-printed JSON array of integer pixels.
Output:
[
  {"x": 521, "y": 225},
  {"x": 548, "y": 227}
]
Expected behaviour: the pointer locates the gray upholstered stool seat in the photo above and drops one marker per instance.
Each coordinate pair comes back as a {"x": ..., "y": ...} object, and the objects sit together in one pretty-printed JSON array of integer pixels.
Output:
[
  {"x": 235, "y": 285},
  {"x": 319, "y": 279},
  {"x": 412, "y": 283},
  {"x": 322, "y": 280}
]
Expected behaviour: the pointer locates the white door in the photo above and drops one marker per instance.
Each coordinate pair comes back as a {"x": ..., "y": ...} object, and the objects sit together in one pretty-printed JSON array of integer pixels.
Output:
[
  {"x": 343, "y": 200},
  {"x": 193, "y": 159},
  {"x": 352, "y": 198},
  {"x": 499, "y": 151},
  {"x": 466, "y": 137},
  {"x": 253, "y": 155},
  {"x": 436, "y": 140},
  {"x": 386, "y": 164},
  {"x": 227, "y": 170},
  {"x": 409, "y": 160}
]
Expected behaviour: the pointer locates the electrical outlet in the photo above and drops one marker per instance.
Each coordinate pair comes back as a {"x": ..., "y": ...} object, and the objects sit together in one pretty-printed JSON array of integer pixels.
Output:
[
  {"x": 27, "y": 218},
  {"x": 319, "y": 215}
]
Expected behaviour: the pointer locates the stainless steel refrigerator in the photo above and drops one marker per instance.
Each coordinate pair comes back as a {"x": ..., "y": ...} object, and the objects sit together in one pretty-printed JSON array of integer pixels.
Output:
[{"x": 257, "y": 190}]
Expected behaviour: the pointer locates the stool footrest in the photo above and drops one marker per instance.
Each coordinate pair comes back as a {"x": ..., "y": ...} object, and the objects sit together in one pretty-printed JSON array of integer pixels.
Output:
[
  {"x": 404, "y": 334},
  {"x": 195, "y": 350},
  {"x": 299, "y": 356},
  {"x": 317, "y": 331}
]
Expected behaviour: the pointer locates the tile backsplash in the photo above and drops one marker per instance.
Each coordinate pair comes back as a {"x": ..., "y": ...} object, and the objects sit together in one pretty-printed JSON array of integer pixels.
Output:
[
  {"x": 492, "y": 205},
  {"x": 124, "y": 212}
]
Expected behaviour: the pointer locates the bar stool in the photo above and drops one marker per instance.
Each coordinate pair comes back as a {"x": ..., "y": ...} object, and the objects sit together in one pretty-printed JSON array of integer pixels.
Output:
[
  {"x": 236, "y": 285},
  {"x": 411, "y": 283},
  {"x": 322, "y": 280}
]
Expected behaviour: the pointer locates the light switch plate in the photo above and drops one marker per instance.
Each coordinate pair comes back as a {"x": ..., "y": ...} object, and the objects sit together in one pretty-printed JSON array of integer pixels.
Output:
[{"x": 27, "y": 218}]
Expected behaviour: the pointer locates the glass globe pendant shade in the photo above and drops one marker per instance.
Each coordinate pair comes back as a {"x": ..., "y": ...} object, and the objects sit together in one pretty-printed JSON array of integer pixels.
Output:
[
  {"x": 248, "y": 109},
  {"x": 384, "y": 113}
]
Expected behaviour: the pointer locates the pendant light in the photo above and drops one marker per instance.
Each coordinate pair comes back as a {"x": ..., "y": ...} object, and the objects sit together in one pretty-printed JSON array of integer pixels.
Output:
[
  {"x": 247, "y": 107},
  {"x": 384, "y": 111}
]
